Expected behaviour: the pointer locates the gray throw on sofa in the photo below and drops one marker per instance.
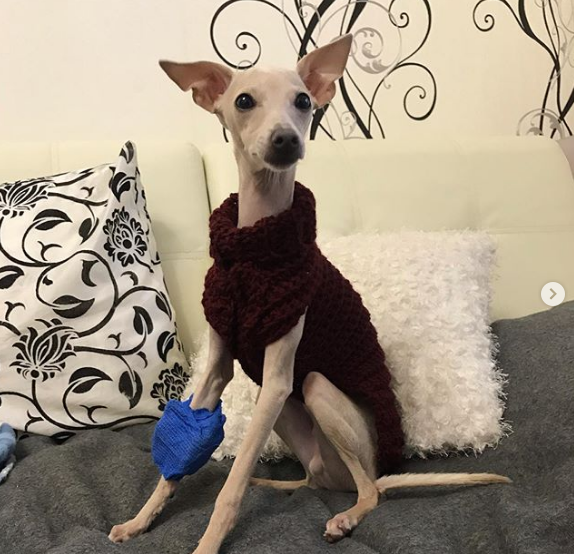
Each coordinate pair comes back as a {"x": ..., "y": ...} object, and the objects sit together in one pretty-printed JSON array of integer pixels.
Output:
[{"x": 63, "y": 499}]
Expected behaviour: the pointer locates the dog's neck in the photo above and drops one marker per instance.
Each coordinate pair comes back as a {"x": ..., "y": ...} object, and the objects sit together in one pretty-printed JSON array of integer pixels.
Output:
[{"x": 263, "y": 193}]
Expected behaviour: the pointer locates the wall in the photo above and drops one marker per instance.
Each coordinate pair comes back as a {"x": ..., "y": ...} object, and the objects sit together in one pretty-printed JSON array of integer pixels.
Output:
[{"x": 74, "y": 70}]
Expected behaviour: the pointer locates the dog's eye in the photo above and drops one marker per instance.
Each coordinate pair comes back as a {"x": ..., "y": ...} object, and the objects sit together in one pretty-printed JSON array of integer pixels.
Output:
[
  {"x": 302, "y": 102},
  {"x": 244, "y": 102}
]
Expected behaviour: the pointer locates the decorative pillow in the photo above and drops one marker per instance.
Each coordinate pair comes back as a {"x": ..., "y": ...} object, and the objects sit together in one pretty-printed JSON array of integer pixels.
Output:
[
  {"x": 87, "y": 329},
  {"x": 429, "y": 296}
]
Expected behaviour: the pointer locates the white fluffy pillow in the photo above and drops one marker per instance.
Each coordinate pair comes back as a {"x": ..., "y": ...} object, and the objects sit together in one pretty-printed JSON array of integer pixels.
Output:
[{"x": 429, "y": 296}]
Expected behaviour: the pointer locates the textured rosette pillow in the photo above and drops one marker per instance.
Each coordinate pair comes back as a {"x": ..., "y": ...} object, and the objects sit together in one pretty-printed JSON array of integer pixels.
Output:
[
  {"x": 87, "y": 329},
  {"x": 428, "y": 295}
]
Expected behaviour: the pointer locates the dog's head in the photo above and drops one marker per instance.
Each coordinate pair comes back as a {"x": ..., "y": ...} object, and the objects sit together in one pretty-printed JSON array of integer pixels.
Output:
[{"x": 267, "y": 111}]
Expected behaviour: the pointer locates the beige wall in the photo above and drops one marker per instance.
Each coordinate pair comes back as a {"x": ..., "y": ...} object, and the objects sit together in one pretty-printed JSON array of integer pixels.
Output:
[{"x": 87, "y": 69}]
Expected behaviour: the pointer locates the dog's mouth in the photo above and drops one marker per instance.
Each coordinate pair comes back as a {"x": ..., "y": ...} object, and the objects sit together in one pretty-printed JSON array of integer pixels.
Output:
[{"x": 280, "y": 165}]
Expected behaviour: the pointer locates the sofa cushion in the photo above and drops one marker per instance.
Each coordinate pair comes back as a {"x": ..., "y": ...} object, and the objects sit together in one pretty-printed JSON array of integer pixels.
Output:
[{"x": 533, "y": 515}]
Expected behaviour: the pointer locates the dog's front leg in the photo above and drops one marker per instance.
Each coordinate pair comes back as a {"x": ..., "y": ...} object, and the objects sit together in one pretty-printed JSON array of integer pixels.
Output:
[
  {"x": 218, "y": 374},
  {"x": 277, "y": 386}
]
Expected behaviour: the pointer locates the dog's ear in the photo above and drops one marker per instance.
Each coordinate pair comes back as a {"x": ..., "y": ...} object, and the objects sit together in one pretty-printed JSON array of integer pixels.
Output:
[
  {"x": 321, "y": 68},
  {"x": 207, "y": 80}
]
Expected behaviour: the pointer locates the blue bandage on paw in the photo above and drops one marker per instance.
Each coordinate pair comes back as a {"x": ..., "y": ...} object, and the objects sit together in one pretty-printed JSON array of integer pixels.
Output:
[{"x": 184, "y": 439}]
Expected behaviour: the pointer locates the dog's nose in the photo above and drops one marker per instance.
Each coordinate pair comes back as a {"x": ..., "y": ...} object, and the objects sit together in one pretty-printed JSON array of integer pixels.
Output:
[
  {"x": 285, "y": 148},
  {"x": 284, "y": 142}
]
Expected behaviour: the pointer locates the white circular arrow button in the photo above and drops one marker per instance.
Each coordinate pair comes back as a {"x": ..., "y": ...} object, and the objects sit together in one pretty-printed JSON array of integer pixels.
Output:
[{"x": 553, "y": 294}]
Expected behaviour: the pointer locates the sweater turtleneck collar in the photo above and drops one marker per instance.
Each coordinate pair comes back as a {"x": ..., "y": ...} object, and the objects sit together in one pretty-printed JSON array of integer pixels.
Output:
[{"x": 273, "y": 239}]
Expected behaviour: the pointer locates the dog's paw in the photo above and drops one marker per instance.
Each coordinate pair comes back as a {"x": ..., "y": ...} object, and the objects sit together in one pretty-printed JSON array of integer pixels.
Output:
[
  {"x": 338, "y": 528},
  {"x": 125, "y": 531}
]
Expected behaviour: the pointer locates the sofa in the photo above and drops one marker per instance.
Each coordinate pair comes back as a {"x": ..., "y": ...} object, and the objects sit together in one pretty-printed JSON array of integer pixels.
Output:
[{"x": 65, "y": 498}]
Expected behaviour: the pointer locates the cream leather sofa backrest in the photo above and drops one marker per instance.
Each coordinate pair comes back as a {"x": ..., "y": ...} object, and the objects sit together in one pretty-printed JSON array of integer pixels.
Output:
[
  {"x": 173, "y": 177},
  {"x": 520, "y": 190}
]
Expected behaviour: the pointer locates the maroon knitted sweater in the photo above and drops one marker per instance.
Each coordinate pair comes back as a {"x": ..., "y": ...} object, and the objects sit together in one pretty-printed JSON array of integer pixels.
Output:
[{"x": 263, "y": 279}]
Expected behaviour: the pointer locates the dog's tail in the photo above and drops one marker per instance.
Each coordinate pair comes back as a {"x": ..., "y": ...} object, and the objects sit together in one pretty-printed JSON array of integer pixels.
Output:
[{"x": 405, "y": 480}]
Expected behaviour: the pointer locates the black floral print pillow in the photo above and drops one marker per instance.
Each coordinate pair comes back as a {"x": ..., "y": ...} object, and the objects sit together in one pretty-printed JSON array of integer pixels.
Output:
[{"x": 88, "y": 333}]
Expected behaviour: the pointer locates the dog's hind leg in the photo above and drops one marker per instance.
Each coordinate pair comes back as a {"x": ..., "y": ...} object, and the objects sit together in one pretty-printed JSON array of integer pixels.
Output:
[
  {"x": 295, "y": 427},
  {"x": 305, "y": 439},
  {"x": 279, "y": 485},
  {"x": 349, "y": 430}
]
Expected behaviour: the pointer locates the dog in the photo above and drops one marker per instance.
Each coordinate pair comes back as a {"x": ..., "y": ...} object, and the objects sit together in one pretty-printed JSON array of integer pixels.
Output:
[{"x": 342, "y": 442}]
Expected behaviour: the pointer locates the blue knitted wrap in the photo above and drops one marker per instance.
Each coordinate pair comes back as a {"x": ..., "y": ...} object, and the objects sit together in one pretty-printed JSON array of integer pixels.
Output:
[{"x": 184, "y": 439}]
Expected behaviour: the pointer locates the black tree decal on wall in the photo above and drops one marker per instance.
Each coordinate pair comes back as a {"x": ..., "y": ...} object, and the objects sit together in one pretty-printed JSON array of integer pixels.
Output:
[
  {"x": 546, "y": 23},
  {"x": 385, "y": 43}
]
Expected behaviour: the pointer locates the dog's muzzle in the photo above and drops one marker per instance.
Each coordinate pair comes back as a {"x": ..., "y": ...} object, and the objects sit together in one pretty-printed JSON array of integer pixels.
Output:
[{"x": 284, "y": 150}]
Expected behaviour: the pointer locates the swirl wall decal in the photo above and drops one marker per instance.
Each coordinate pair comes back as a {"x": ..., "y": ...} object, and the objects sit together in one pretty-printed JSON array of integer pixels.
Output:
[
  {"x": 386, "y": 42},
  {"x": 550, "y": 24}
]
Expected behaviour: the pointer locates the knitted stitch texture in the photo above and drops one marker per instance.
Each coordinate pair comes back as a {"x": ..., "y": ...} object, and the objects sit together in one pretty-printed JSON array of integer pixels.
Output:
[
  {"x": 184, "y": 439},
  {"x": 263, "y": 279}
]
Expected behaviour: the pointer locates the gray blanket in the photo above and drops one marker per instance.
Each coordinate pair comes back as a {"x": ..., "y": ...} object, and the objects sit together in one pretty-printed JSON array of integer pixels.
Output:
[{"x": 64, "y": 499}]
